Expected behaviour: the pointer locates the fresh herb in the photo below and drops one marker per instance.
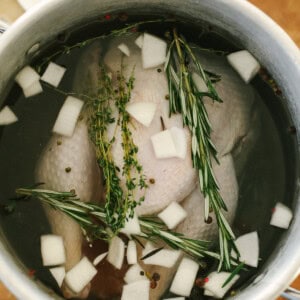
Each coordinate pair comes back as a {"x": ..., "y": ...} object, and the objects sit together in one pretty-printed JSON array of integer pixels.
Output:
[
  {"x": 131, "y": 166},
  {"x": 93, "y": 222},
  {"x": 187, "y": 100},
  {"x": 151, "y": 253},
  {"x": 120, "y": 202},
  {"x": 233, "y": 273},
  {"x": 127, "y": 30}
]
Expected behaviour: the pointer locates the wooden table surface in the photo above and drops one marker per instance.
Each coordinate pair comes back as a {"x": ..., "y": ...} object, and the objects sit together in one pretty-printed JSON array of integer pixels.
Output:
[{"x": 285, "y": 12}]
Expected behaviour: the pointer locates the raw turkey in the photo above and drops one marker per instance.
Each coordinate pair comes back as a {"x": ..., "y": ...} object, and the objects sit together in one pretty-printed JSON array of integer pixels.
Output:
[{"x": 175, "y": 179}]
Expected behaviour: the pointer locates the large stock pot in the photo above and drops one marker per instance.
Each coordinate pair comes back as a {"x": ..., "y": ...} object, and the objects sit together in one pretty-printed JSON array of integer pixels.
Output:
[{"x": 236, "y": 18}]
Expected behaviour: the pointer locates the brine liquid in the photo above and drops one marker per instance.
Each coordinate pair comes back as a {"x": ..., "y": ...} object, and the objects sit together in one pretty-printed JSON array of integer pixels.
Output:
[{"x": 269, "y": 175}]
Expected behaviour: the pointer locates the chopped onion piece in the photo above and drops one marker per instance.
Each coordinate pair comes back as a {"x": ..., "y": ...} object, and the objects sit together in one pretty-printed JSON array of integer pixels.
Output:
[
  {"x": 116, "y": 252},
  {"x": 67, "y": 117},
  {"x": 143, "y": 112},
  {"x": 52, "y": 250},
  {"x": 165, "y": 258},
  {"x": 180, "y": 141},
  {"x": 26, "y": 77},
  {"x": 163, "y": 144},
  {"x": 124, "y": 49},
  {"x": 244, "y": 63},
  {"x": 131, "y": 226},
  {"x": 200, "y": 83},
  {"x": 58, "y": 274},
  {"x": 135, "y": 273},
  {"x": 7, "y": 116},
  {"x": 185, "y": 276},
  {"x": 99, "y": 258},
  {"x": 34, "y": 89},
  {"x": 80, "y": 275},
  {"x": 215, "y": 282},
  {"x": 248, "y": 246},
  {"x": 140, "y": 41},
  {"x": 154, "y": 51},
  {"x": 131, "y": 253},
  {"x": 53, "y": 74},
  {"x": 208, "y": 293},
  {"x": 282, "y": 216},
  {"x": 138, "y": 290},
  {"x": 170, "y": 143},
  {"x": 176, "y": 298},
  {"x": 172, "y": 215}
]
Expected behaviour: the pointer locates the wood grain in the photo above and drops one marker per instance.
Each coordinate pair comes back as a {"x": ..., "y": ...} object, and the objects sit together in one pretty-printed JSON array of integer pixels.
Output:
[{"x": 285, "y": 12}]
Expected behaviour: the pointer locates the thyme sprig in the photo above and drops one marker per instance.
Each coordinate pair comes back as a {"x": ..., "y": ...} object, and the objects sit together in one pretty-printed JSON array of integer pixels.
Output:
[
  {"x": 187, "y": 100},
  {"x": 119, "y": 201},
  {"x": 92, "y": 219},
  {"x": 131, "y": 165}
]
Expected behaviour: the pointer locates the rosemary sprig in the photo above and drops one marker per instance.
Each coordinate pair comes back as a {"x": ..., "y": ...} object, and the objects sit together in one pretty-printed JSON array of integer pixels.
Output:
[
  {"x": 93, "y": 221},
  {"x": 127, "y": 29},
  {"x": 187, "y": 100}
]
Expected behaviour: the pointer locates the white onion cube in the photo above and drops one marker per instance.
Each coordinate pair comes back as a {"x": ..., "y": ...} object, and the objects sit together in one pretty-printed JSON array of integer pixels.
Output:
[
  {"x": 26, "y": 77},
  {"x": 58, "y": 274},
  {"x": 175, "y": 298},
  {"x": 138, "y": 290},
  {"x": 244, "y": 63},
  {"x": 281, "y": 216},
  {"x": 248, "y": 246},
  {"x": 53, "y": 74},
  {"x": 199, "y": 83},
  {"x": 124, "y": 49},
  {"x": 172, "y": 215},
  {"x": 52, "y": 250},
  {"x": 131, "y": 226},
  {"x": 7, "y": 116},
  {"x": 154, "y": 51},
  {"x": 215, "y": 282},
  {"x": 131, "y": 253},
  {"x": 165, "y": 258},
  {"x": 180, "y": 141},
  {"x": 34, "y": 89},
  {"x": 67, "y": 117},
  {"x": 163, "y": 145},
  {"x": 185, "y": 276},
  {"x": 135, "y": 273},
  {"x": 80, "y": 275},
  {"x": 116, "y": 252},
  {"x": 143, "y": 112},
  {"x": 99, "y": 258},
  {"x": 208, "y": 293},
  {"x": 140, "y": 41}
]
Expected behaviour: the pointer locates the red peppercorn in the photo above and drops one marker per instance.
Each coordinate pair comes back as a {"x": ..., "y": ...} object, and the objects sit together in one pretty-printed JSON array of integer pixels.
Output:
[
  {"x": 31, "y": 272},
  {"x": 107, "y": 17},
  {"x": 153, "y": 284}
]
